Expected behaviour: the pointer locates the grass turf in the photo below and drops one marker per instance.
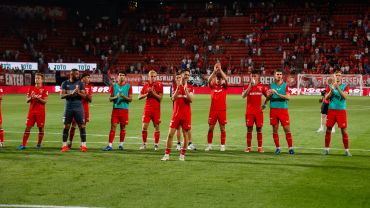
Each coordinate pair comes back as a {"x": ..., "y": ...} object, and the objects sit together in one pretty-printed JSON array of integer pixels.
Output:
[{"x": 134, "y": 178}]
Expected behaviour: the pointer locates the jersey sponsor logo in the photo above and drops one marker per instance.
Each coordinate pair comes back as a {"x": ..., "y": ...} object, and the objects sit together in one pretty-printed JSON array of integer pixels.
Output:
[
  {"x": 218, "y": 90},
  {"x": 255, "y": 93}
]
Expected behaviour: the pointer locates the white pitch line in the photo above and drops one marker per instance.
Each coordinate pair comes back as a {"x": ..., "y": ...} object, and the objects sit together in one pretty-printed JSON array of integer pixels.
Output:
[{"x": 40, "y": 206}]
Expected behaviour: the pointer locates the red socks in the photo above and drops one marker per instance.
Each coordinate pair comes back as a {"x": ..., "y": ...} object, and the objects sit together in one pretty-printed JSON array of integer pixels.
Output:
[
  {"x": 122, "y": 135},
  {"x": 26, "y": 135},
  {"x": 259, "y": 139},
  {"x": 276, "y": 140},
  {"x": 345, "y": 140},
  {"x": 327, "y": 139},
  {"x": 210, "y": 137},
  {"x": 144, "y": 136},
  {"x": 249, "y": 139},
  {"x": 41, "y": 136},
  {"x": 223, "y": 137},
  {"x": 1, "y": 135},
  {"x": 156, "y": 137},
  {"x": 112, "y": 134},
  {"x": 289, "y": 139}
]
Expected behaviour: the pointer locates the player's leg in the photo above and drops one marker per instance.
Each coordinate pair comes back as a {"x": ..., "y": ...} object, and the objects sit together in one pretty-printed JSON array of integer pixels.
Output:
[
  {"x": 30, "y": 122},
  {"x": 289, "y": 139},
  {"x": 112, "y": 134},
  {"x": 123, "y": 120},
  {"x": 221, "y": 117},
  {"x": 72, "y": 133},
  {"x": 330, "y": 122},
  {"x": 26, "y": 135},
  {"x": 259, "y": 124},
  {"x": 249, "y": 138},
  {"x": 171, "y": 132},
  {"x": 68, "y": 116},
  {"x": 322, "y": 123},
  {"x": 211, "y": 128},
  {"x": 284, "y": 119},
  {"x": 275, "y": 135},
  {"x": 249, "y": 122},
  {"x": 79, "y": 117},
  {"x": 144, "y": 128},
  {"x": 345, "y": 141},
  {"x": 156, "y": 118},
  {"x": 342, "y": 124},
  {"x": 259, "y": 139},
  {"x": 212, "y": 119},
  {"x": 186, "y": 134},
  {"x": 157, "y": 134},
  {"x": 40, "y": 124},
  {"x": 274, "y": 122},
  {"x": 223, "y": 137},
  {"x": 144, "y": 135},
  {"x": 190, "y": 145},
  {"x": 178, "y": 138},
  {"x": 40, "y": 137},
  {"x": 122, "y": 135},
  {"x": 113, "y": 126}
]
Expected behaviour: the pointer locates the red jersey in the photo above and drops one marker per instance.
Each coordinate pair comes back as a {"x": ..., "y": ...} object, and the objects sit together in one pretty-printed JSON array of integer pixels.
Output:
[
  {"x": 182, "y": 105},
  {"x": 36, "y": 105},
  {"x": 254, "y": 98},
  {"x": 151, "y": 103},
  {"x": 218, "y": 97},
  {"x": 85, "y": 102}
]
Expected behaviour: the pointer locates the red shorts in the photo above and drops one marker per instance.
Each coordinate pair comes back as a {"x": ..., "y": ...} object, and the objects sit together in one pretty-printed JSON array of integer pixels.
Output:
[
  {"x": 215, "y": 116},
  {"x": 279, "y": 114},
  {"x": 1, "y": 119},
  {"x": 154, "y": 116},
  {"x": 184, "y": 122},
  {"x": 35, "y": 117},
  {"x": 338, "y": 116},
  {"x": 119, "y": 115},
  {"x": 255, "y": 118}
]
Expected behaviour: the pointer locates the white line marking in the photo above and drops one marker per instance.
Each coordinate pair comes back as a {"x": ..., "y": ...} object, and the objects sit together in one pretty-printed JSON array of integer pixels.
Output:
[{"x": 39, "y": 206}]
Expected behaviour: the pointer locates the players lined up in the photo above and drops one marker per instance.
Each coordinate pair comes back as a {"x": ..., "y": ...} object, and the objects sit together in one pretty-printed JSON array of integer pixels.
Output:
[{"x": 78, "y": 96}]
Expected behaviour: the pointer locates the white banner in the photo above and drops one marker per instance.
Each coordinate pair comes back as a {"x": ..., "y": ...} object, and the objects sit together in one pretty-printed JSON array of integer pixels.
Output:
[
  {"x": 14, "y": 79},
  {"x": 70, "y": 66},
  {"x": 19, "y": 65}
]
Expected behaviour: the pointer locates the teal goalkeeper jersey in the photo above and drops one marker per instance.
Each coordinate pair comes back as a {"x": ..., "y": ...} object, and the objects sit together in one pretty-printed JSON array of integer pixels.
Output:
[
  {"x": 337, "y": 102},
  {"x": 276, "y": 101},
  {"x": 126, "y": 89}
]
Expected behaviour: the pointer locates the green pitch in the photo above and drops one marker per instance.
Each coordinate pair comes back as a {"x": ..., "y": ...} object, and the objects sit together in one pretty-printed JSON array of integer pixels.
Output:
[{"x": 233, "y": 178}]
